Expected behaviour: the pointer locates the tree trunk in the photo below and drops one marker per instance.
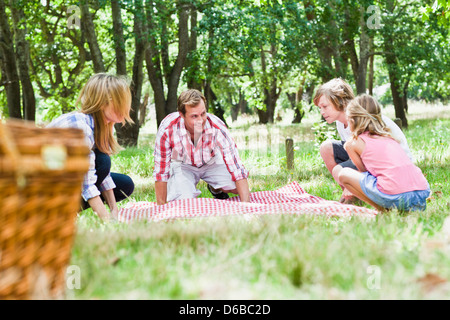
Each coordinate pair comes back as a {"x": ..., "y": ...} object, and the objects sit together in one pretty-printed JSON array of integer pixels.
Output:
[
  {"x": 213, "y": 106},
  {"x": 128, "y": 135},
  {"x": 193, "y": 82},
  {"x": 153, "y": 65},
  {"x": 125, "y": 134},
  {"x": 371, "y": 74},
  {"x": 23, "y": 58},
  {"x": 239, "y": 107},
  {"x": 296, "y": 102},
  {"x": 91, "y": 37},
  {"x": 396, "y": 89},
  {"x": 271, "y": 90},
  {"x": 9, "y": 65},
  {"x": 392, "y": 65},
  {"x": 153, "y": 60},
  {"x": 119, "y": 41},
  {"x": 183, "y": 50},
  {"x": 405, "y": 95},
  {"x": 322, "y": 45},
  {"x": 364, "y": 50},
  {"x": 270, "y": 101}
]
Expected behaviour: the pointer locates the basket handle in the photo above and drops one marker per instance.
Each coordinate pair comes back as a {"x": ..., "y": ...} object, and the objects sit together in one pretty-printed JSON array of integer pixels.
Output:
[{"x": 10, "y": 149}]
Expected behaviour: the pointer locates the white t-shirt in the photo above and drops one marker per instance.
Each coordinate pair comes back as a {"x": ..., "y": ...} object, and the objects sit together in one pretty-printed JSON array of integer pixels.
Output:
[{"x": 396, "y": 133}]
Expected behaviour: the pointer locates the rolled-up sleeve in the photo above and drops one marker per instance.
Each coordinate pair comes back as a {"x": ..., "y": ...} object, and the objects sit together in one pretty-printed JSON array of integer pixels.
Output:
[
  {"x": 162, "y": 156},
  {"x": 86, "y": 124},
  {"x": 231, "y": 155},
  {"x": 89, "y": 189}
]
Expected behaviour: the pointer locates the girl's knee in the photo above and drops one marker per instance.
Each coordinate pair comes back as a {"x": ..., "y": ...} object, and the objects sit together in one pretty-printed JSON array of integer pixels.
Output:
[
  {"x": 336, "y": 171},
  {"x": 345, "y": 174}
]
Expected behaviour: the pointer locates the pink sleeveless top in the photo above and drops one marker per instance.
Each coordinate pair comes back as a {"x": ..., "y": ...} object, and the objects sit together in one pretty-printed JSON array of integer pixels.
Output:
[{"x": 385, "y": 159}]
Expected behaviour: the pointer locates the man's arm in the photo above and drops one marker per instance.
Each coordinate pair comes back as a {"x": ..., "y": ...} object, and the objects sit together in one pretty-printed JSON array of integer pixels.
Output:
[
  {"x": 161, "y": 192},
  {"x": 243, "y": 190}
]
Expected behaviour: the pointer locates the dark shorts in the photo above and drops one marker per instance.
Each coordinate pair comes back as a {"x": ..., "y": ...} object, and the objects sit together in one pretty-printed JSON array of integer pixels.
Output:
[{"x": 341, "y": 156}]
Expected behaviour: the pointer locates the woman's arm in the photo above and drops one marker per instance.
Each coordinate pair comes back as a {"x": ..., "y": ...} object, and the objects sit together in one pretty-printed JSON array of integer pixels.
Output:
[
  {"x": 355, "y": 148},
  {"x": 110, "y": 198},
  {"x": 99, "y": 207}
]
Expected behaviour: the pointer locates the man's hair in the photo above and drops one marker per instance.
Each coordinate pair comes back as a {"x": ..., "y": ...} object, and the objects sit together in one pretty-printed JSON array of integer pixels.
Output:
[
  {"x": 337, "y": 91},
  {"x": 192, "y": 98}
]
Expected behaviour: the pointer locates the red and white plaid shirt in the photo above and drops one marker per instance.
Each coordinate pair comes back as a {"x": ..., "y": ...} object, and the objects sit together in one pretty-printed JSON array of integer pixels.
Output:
[{"x": 174, "y": 143}]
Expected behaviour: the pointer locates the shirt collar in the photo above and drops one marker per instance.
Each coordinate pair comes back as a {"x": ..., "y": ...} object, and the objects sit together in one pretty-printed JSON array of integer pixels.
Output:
[
  {"x": 207, "y": 129},
  {"x": 182, "y": 125}
]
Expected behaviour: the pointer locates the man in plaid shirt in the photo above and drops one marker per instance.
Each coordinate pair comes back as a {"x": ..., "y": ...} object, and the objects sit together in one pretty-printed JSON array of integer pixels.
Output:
[{"x": 192, "y": 144}]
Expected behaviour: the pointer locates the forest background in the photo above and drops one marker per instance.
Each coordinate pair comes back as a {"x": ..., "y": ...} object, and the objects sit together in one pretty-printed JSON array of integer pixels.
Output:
[{"x": 246, "y": 56}]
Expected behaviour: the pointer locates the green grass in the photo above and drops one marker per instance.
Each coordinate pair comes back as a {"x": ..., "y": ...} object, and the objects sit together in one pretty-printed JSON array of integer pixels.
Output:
[{"x": 274, "y": 257}]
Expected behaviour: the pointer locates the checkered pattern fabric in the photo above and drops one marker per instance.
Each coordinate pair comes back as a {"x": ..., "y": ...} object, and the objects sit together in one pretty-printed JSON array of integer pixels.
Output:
[{"x": 291, "y": 199}]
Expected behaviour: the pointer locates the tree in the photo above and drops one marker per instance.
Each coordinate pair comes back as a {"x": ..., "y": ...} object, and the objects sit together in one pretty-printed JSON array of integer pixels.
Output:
[
  {"x": 128, "y": 135},
  {"x": 163, "y": 69},
  {"x": 57, "y": 55},
  {"x": 405, "y": 47},
  {"x": 255, "y": 41},
  {"x": 23, "y": 58},
  {"x": 9, "y": 65},
  {"x": 91, "y": 37}
]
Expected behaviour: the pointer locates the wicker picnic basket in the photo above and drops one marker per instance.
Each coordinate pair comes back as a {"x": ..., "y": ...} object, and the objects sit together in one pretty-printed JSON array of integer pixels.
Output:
[{"x": 41, "y": 173}]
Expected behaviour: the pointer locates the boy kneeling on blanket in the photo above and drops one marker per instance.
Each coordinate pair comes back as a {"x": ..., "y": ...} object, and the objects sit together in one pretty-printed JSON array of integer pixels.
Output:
[{"x": 192, "y": 144}]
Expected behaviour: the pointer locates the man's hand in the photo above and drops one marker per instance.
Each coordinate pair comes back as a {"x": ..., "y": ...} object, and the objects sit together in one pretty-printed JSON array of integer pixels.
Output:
[
  {"x": 243, "y": 190},
  {"x": 161, "y": 192}
]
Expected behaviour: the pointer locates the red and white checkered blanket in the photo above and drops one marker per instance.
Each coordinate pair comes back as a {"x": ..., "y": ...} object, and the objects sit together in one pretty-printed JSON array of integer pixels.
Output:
[{"x": 290, "y": 199}]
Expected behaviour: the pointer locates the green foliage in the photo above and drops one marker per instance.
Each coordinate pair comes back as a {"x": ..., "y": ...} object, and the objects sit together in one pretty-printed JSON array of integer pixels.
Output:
[
  {"x": 440, "y": 10},
  {"x": 297, "y": 39},
  {"x": 323, "y": 131}
]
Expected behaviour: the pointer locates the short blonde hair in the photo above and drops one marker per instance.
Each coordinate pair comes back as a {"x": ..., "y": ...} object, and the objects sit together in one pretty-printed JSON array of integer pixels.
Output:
[
  {"x": 191, "y": 97},
  {"x": 97, "y": 93},
  {"x": 339, "y": 92},
  {"x": 364, "y": 113}
]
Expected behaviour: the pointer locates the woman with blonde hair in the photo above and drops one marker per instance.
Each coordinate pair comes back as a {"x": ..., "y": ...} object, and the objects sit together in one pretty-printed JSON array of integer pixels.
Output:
[
  {"x": 105, "y": 100},
  {"x": 386, "y": 177}
]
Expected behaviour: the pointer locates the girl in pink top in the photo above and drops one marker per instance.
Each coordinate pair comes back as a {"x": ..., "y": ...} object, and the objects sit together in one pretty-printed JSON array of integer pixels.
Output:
[{"x": 386, "y": 178}]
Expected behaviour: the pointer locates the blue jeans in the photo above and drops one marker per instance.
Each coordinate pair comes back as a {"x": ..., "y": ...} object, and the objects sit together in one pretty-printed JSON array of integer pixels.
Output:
[{"x": 124, "y": 184}]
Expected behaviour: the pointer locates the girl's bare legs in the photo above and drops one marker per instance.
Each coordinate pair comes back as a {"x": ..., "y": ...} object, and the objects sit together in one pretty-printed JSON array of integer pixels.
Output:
[
  {"x": 349, "y": 178},
  {"x": 347, "y": 196}
]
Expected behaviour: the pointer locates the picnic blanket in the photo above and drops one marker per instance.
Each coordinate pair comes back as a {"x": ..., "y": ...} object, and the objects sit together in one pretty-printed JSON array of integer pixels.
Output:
[{"x": 290, "y": 199}]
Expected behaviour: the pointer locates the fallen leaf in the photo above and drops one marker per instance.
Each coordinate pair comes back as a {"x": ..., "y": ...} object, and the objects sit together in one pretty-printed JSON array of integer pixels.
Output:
[
  {"x": 438, "y": 194},
  {"x": 431, "y": 281},
  {"x": 114, "y": 261}
]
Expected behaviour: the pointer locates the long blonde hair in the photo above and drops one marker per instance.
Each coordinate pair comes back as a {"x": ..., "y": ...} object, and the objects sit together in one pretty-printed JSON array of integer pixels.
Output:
[
  {"x": 364, "y": 114},
  {"x": 99, "y": 91}
]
